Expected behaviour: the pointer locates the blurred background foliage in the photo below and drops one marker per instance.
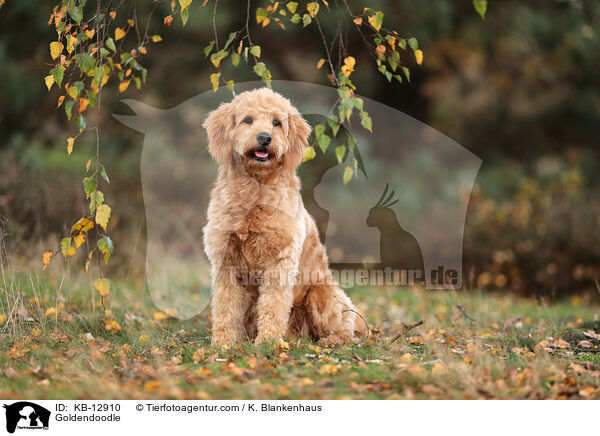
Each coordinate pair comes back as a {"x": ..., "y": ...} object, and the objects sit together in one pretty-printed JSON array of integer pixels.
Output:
[{"x": 520, "y": 89}]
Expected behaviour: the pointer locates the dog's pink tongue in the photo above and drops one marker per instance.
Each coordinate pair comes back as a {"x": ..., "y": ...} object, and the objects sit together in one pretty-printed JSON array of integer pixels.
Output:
[{"x": 261, "y": 154}]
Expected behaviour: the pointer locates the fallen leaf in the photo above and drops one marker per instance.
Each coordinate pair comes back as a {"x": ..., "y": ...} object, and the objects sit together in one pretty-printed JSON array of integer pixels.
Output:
[
  {"x": 587, "y": 391},
  {"x": 10, "y": 373},
  {"x": 592, "y": 334},
  {"x": 407, "y": 358},
  {"x": 112, "y": 326},
  {"x": 585, "y": 344},
  {"x": 152, "y": 386},
  {"x": 328, "y": 370}
]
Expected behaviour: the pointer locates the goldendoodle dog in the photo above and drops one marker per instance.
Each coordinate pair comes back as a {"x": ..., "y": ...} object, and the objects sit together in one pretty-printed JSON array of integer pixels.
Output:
[{"x": 270, "y": 272}]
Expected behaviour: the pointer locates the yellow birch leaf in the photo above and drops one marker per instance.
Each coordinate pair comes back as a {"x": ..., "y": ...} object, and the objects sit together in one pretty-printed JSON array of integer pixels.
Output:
[
  {"x": 119, "y": 33},
  {"x": 82, "y": 104},
  {"x": 214, "y": 80},
  {"x": 71, "y": 41},
  {"x": 66, "y": 248},
  {"x": 79, "y": 239},
  {"x": 419, "y": 56},
  {"x": 348, "y": 172},
  {"x": 103, "y": 215},
  {"x": 376, "y": 20},
  {"x": 73, "y": 92},
  {"x": 83, "y": 225},
  {"x": 392, "y": 43},
  {"x": 313, "y": 9},
  {"x": 55, "y": 49},
  {"x": 348, "y": 67},
  {"x": 184, "y": 4},
  {"x": 320, "y": 63},
  {"x": 309, "y": 153},
  {"x": 102, "y": 286},
  {"x": 46, "y": 258},
  {"x": 49, "y": 81},
  {"x": 124, "y": 85},
  {"x": 70, "y": 143}
]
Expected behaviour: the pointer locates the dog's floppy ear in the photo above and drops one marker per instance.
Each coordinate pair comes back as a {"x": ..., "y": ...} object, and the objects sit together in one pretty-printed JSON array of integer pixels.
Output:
[
  {"x": 218, "y": 124},
  {"x": 298, "y": 131}
]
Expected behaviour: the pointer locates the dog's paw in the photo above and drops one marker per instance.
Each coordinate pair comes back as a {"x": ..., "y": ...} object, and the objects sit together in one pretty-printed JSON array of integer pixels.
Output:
[
  {"x": 333, "y": 340},
  {"x": 262, "y": 339},
  {"x": 224, "y": 338}
]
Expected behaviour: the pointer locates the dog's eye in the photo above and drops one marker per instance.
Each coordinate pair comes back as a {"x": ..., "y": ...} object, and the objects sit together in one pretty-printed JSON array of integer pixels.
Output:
[
  {"x": 276, "y": 122},
  {"x": 248, "y": 120}
]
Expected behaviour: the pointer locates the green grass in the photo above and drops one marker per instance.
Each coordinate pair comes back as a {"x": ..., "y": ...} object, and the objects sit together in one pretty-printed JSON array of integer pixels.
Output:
[{"x": 489, "y": 350}]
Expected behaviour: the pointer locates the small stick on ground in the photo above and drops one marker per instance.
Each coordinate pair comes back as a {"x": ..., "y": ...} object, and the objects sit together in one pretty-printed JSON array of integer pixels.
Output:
[
  {"x": 464, "y": 313},
  {"x": 368, "y": 333},
  {"x": 406, "y": 328},
  {"x": 361, "y": 317}
]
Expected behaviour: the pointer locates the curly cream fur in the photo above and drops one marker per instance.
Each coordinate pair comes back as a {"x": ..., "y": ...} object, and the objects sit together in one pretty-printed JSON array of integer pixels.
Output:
[{"x": 260, "y": 238}]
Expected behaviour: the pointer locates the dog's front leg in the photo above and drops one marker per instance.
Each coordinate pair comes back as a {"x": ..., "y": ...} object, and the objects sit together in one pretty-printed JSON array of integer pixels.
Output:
[
  {"x": 227, "y": 308},
  {"x": 275, "y": 300}
]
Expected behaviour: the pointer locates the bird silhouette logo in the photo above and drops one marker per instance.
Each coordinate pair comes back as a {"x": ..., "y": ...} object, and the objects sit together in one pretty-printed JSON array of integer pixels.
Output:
[{"x": 398, "y": 248}]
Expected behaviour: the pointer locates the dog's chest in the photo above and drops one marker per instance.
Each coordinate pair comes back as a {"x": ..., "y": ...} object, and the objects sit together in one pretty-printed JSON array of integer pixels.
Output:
[{"x": 263, "y": 235}]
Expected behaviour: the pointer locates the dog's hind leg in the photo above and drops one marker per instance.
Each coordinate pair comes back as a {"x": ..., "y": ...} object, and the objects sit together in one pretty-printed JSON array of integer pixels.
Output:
[{"x": 331, "y": 313}]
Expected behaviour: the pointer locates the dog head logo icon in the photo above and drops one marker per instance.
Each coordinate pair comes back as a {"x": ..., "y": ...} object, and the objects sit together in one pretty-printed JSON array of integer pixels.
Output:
[{"x": 26, "y": 415}]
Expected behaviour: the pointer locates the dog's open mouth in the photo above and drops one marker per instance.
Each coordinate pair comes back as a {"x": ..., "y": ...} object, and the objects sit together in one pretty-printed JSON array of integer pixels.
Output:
[{"x": 261, "y": 154}]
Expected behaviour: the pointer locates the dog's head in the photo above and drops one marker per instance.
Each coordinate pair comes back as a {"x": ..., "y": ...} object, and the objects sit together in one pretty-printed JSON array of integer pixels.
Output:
[{"x": 259, "y": 130}]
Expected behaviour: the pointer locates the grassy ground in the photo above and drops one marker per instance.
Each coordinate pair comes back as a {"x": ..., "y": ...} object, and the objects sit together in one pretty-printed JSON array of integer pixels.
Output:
[{"x": 471, "y": 345}]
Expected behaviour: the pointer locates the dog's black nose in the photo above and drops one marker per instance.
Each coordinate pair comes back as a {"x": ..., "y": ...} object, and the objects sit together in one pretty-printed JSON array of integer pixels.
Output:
[{"x": 263, "y": 138}]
